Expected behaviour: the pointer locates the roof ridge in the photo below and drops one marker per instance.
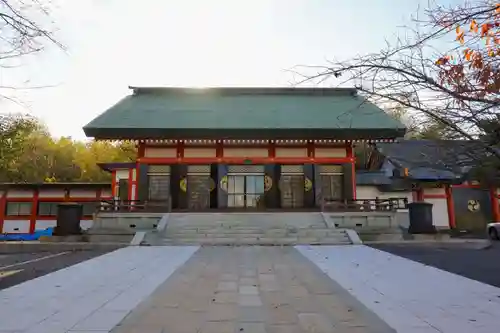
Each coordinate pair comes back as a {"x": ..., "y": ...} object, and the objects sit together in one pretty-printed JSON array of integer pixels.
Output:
[{"x": 313, "y": 91}]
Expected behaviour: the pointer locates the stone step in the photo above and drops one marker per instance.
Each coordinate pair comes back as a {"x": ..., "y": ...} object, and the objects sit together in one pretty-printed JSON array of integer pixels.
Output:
[
  {"x": 254, "y": 236},
  {"x": 247, "y": 226},
  {"x": 256, "y": 241},
  {"x": 246, "y": 229},
  {"x": 282, "y": 233}
]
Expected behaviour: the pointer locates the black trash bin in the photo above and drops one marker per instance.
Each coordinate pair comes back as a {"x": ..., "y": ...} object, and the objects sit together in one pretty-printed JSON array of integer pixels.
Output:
[
  {"x": 421, "y": 218},
  {"x": 69, "y": 215}
]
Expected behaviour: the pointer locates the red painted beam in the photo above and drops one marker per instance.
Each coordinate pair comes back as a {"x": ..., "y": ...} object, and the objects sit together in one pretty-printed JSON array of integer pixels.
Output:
[
  {"x": 434, "y": 196},
  {"x": 249, "y": 145},
  {"x": 468, "y": 185},
  {"x": 243, "y": 160}
]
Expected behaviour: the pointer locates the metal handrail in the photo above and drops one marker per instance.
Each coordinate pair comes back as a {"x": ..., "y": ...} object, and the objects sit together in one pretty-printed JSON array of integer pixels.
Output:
[
  {"x": 364, "y": 205},
  {"x": 117, "y": 205}
]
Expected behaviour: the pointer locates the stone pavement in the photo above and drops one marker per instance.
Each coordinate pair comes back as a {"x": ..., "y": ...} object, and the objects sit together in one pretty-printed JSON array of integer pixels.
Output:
[
  {"x": 92, "y": 296},
  {"x": 250, "y": 290},
  {"x": 409, "y": 296}
]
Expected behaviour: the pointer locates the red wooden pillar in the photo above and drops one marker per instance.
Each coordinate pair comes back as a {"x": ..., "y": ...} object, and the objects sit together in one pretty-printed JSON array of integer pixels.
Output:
[
  {"x": 113, "y": 184},
  {"x": 130, "y": 182},
  {"x": 494, "y": 204},
  {"x": 3, "y": 208},
  {"x": 450, "y": 205},
  {"x": 34, "y": 209},
  {"x": 420, "y": 195},
  {"x": 352, "y": 158}
]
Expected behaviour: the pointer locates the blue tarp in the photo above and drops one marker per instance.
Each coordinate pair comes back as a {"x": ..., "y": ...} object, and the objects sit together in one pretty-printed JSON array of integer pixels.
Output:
[{"x": 27, "y": 237}]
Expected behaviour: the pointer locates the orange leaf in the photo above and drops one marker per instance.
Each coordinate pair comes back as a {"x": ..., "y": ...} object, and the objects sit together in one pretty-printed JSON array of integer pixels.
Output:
[
  {"x": 473, "y": 25},
  {"x": 497, "y": 9},
  {"x": 467, "y": 56},
  {"x": 457, "y": 29}
]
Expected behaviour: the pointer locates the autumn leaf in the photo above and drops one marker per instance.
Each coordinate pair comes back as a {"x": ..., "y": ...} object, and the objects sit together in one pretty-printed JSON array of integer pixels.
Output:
[{"x": 473, "y": 25}]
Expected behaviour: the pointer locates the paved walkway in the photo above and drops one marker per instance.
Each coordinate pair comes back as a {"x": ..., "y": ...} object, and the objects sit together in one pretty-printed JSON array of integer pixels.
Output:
[
  {"x": 339, "y": 289},
  {"x": 409, "y": 296},
  {"x": 94, "y": 295},
  {"x": 250, "y": 290}
]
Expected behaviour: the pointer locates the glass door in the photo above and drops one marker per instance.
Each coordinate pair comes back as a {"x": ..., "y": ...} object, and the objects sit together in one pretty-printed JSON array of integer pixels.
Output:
[{"x": 245, "y": 191}]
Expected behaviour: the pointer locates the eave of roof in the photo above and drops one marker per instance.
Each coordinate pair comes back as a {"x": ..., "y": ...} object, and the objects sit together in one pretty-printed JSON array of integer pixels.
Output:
[
  {"x": 244, "y": 113},
  {"x": 110, "y": 166},
  {"x": 54, "y": 185}
]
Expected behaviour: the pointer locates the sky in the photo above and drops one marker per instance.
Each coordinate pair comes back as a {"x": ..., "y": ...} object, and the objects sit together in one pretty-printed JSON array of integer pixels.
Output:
[{"x": 113, "y": 44}]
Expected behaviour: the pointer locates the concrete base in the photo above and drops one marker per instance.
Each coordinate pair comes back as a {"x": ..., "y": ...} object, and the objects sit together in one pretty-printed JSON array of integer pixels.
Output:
[
  {"x": 125, "y": 223},
  {"x": 360, "y": 220}
]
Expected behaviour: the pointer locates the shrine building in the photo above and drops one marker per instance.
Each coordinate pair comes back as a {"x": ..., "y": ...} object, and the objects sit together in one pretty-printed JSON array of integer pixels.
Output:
[{"x": 218, "y": 149}]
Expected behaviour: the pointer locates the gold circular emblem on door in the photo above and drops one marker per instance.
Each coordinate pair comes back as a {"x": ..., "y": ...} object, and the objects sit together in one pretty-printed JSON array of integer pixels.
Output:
[
  {"x": 268, "y": 183},
  {"x": 473, "y": 205},
  {"x": 223, "y": 183},
  {"x": 183, "y": 184},
  {"x": 308, "y": 185}
]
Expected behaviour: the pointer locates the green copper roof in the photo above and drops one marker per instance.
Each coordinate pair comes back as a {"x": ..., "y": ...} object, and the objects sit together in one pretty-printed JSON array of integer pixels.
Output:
[{"x": 243, "y": 112}]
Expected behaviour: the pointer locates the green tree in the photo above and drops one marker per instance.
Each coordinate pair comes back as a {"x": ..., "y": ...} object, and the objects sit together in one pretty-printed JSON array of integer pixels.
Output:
[{"x": 29, "y": 154}]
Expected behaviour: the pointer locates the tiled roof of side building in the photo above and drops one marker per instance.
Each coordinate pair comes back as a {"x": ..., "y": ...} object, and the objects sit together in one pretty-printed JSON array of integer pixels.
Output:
[
  {"x": 300, "y": 113},
  {"x": 433, "y": 159}
]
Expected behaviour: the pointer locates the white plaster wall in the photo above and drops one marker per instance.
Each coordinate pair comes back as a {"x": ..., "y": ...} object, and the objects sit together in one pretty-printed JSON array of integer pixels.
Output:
[
  {"x": 366, "y": 192},
  {"x": 200, "y": 152},
  {"x": 82, "y": 193},
  {"x": 330, "y": 152},
  {"x": 439, "y": 212},
  {"x": 371, "y": 192},
  {"x": 86, "y": 224},
  {"x": 434, "y": 191},
  {"x": 106, "y": 193},
  {"x": 122, "y": 174},
  {"x": 20, "y": 193},
  {"x": 52, "y": 193},
  {"x": 44, "y": 224},
  {"x": 160, "y": 152},
  {"x": 16, "y": 226},
  {"x": 291, "y": 152},
  {"x": 132, "y": 194},
  {"x": 23, "y": 226},
  {"x": 246, "y": 152}
]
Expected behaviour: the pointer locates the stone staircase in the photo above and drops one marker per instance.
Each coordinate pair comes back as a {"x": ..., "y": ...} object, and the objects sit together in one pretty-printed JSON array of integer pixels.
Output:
[{"x": 247, "y": 229}]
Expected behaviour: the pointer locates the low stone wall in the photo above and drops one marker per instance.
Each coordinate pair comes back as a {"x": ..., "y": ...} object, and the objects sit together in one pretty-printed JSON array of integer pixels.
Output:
[
  {"x": 124, "y": 223},
  {"x": 362, "y": 220}
]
